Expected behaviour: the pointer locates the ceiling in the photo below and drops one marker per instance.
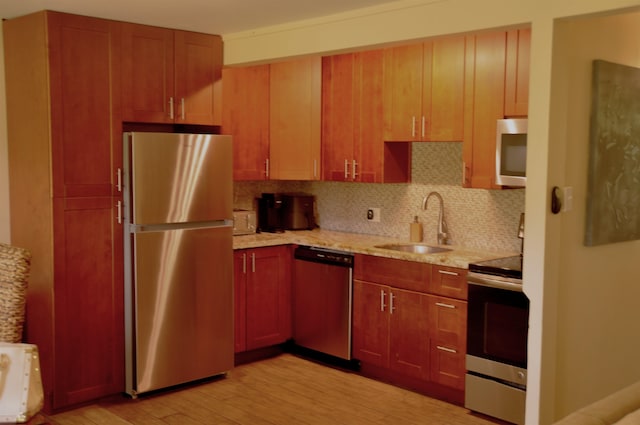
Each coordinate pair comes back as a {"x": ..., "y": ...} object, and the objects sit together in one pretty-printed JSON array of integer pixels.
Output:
[{"x": 210, "y": 16}]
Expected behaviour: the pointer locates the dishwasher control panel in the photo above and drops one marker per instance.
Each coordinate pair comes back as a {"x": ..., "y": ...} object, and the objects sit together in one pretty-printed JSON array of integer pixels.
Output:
[{"x": 324, "y": 255}]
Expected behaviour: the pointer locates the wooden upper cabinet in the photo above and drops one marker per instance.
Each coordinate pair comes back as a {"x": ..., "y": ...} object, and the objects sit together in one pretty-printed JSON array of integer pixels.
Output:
[
  {"x": 294, "y": 126},
  {"x": 424, "y": 91},
  {"x": 84, "y": 105},
  {"x": 339, "y": 145},
  {"x": 198, "y": 78},
  {"x": 403, "y": 92},
  {"x": 445, "y": 111},
  {"x": 516, "y": 100},
  {"x": 353, "y": 147},
  {"x": 245, "y": 116},
  {"x": 484, "y": 105},
  {"x": 170, "y": 76}
]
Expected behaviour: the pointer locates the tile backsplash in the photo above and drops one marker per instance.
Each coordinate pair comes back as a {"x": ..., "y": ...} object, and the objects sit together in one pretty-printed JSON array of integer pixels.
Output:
[{"x": 476, "y": 218}]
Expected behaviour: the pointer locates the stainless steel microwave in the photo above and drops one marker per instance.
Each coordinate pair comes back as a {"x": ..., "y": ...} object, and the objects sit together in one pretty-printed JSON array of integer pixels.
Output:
[{"x": 511, "y": 152}]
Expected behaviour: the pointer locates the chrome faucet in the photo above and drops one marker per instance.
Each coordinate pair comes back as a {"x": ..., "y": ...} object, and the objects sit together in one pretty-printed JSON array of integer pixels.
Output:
[{"x": 442, "y": 225}]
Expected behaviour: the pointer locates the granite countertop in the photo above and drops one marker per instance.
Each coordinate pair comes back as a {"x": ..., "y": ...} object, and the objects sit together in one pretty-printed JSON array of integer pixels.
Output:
[{"x": 366, "y": 244}]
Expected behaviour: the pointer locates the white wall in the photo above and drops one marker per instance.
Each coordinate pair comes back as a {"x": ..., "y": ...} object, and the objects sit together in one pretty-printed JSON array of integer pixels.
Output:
[{"x": 598, "y": 287}]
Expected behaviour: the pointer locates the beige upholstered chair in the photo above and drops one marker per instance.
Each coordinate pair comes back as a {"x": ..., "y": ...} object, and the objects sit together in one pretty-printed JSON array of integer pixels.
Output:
[{"x": 15, "y": 264}]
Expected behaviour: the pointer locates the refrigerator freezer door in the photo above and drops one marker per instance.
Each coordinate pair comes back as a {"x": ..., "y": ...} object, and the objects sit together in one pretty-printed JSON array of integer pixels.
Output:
[
  {"x": 184, "y": 306},
  {"x": 179, "y": 178}
]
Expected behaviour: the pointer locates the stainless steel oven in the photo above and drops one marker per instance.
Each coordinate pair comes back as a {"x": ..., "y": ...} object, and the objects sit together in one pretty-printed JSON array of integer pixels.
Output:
[{"x": 497, "y": 331}]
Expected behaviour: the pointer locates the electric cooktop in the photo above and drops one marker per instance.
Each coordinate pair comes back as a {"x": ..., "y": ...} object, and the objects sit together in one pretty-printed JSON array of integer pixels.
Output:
[{"x": 507, "y": 267}]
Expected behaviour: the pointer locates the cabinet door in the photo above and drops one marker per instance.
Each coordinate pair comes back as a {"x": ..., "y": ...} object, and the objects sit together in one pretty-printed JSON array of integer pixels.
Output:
[
  {"x": 371, "y": 323},
  {"x": 371, "y": 155},
  {"x": 84, "y": 129},
  {"x": 443, "y": 101},
  {"x": 295, "y": 109},
  {"x": 516, "y": 99},
  {"x": 89, "y": 311},
  {"x": 338, "y": 117},
  {"x": 409, "y": 333},
  {"x": 240, "y": 300},
  {"x": 268, "y": 298},
  {"x": 403, "y": 92},
  {"x": 353, "y": 147},
  {"x": 147, "y": 73},
  {"x": 198, "y": 77},
  {"x": 484, "y": 105},
  {"x": 447, "y": 341},
  {"x": 245, "y": 116}
]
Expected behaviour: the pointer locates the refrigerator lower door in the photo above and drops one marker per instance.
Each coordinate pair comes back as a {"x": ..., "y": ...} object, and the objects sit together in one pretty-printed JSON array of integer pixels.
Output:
[{"x": 183, "y": 306}]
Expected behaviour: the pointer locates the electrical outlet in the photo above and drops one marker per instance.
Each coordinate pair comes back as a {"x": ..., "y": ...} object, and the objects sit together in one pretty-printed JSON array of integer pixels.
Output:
[{"x": 373, "y": 214}]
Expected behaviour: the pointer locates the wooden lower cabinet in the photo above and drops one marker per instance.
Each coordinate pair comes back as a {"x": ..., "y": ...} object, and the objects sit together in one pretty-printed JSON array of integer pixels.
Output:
[
  {"x": 389, "y": 325},
  {"x": 408, "y": 335},
  {"x": 262, "y": 297},
  {"x": 447, "y": 340}
]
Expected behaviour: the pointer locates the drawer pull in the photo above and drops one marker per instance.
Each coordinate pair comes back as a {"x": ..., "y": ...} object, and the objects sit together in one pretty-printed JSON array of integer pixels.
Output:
[
  {"x": 448, "y": 350},
  {"x": 445, "y": 305},
  {"x": 448, "y": 273}
]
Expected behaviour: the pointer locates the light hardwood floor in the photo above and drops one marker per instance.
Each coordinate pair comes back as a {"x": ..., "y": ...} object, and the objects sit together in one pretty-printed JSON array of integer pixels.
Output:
[{"x": 281, "y": 390}]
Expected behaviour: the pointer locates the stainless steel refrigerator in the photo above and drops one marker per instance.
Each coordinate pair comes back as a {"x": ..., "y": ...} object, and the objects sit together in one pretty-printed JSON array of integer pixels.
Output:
[{"x": 178, "y": 258}]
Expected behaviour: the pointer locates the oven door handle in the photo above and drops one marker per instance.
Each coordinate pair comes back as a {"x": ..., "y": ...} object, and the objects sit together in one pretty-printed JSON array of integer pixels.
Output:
[{"x": 494, "y": 282}]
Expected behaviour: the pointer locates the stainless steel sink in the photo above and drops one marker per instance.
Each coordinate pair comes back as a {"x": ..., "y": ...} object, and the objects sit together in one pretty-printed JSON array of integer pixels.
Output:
[{"x": 414, "y": 248}]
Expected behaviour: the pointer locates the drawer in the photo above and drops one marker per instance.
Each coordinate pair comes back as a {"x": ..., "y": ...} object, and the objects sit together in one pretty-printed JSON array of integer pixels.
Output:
[
  {"x": 400, "y": 274},
  {"x": 448, "y": 282}
]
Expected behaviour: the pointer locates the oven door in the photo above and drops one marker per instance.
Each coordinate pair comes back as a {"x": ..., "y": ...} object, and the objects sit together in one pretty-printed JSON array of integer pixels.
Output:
[{"x": 497, "y": 324}]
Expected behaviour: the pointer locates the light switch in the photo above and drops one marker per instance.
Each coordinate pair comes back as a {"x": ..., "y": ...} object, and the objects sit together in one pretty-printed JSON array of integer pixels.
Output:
[{"x": 567, "y": 196}]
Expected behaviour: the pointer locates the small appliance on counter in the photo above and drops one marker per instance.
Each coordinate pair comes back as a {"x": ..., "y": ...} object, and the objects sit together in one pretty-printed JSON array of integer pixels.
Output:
[
  {"x": 244, "y": 222},
  {"x": 299, "y": 211},
  {"x": 278, "y": 212},
  {"x": 270, "y": 213}
]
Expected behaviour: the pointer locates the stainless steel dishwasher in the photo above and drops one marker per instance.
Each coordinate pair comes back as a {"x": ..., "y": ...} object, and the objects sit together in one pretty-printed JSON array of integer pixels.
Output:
[{"x": 322, "y": 300}]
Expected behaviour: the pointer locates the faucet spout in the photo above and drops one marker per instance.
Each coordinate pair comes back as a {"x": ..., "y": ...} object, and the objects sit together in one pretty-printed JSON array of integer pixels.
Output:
[{"x": 442, "y": 233}]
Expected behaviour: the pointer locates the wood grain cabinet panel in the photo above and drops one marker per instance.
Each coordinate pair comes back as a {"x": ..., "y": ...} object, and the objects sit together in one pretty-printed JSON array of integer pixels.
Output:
[
  {"x": 447, "y": 341},
  {"x": 370, "y": 323},
  {"x": 402, "y": 325},
  {"x": 424, "y": 91},
  {"x": 263, "y": 297},
  {"x": 390, "y": 328},
  {"x": 353, "y": 147},
  {"x": 294, "y": 124},
  {"x": 170, "y": 76},
  {"x": 65, "y": 146},
  {"x": 245, "y": 116},
  {"x": 484, "y": 105},
  {"x": 516, "y": 98}
]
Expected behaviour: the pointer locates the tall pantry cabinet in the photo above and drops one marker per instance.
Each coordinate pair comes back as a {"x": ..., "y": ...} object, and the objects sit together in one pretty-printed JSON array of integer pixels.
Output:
[{"x": 64, "y": 133}]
